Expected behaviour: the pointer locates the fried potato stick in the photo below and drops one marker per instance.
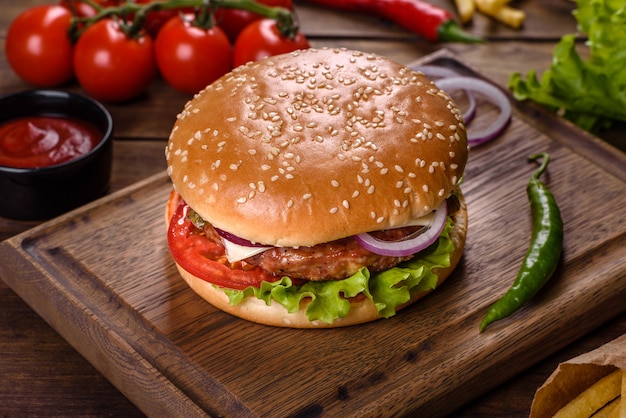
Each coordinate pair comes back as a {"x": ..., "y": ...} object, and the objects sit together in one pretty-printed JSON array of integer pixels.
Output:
[
  {"x": 466, "y": 9},
  {"x": 593, "y": 398},
  {"x": 610, "y": 410},
  {"x": 500, "y": 11}
]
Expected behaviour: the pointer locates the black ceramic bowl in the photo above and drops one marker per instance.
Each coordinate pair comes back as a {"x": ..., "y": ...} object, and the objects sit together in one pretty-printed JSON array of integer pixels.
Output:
[{"x": 45, "y": 192}]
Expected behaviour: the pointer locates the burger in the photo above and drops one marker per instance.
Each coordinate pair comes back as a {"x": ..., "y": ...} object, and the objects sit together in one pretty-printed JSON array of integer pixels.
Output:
[{"x": 318, "y": 188}]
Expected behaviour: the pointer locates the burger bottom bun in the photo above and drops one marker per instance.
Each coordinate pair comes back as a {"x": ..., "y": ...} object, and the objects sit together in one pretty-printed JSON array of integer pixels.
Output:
[{"x": 362, "y": 310}]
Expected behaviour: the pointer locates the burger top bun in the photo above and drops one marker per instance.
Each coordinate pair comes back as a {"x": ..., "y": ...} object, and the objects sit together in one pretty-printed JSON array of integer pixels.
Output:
[{"x": 316, "y": 145}]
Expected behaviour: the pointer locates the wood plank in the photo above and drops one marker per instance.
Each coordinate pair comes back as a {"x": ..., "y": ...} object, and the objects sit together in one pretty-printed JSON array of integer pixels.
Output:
[{"x": 103, "y": 278}]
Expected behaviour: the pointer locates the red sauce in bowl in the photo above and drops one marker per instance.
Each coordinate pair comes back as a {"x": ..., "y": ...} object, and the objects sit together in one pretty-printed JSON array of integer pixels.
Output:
[{"x": 41, "y": 141}]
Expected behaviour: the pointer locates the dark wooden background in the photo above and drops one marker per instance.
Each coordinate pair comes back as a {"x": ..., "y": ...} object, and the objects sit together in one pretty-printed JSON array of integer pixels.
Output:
[{"x": 42, "y": 375}]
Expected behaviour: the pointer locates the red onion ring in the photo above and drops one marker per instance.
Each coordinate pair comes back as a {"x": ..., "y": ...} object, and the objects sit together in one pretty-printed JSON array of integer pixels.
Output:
[
  {"x": 437, "y": 72},
  {"x": 237, "y": 240},
  {"x": 493, "y": 94},
  {"x": 407, "y": 246}
]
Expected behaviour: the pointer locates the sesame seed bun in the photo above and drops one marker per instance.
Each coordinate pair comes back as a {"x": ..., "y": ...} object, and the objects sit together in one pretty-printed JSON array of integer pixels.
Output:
[
  {"x": 362, "y": 310},
  {"x": 316, "y": 145}
]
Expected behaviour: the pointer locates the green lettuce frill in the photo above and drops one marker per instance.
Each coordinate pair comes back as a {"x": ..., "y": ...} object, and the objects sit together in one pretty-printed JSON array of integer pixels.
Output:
[{"x": 387, "y": 290}]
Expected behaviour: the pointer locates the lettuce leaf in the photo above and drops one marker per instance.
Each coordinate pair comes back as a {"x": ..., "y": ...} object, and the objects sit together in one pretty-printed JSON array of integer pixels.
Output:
[
  {"x": 387, "y": 290},
  {"x": 590, "y": 92}
]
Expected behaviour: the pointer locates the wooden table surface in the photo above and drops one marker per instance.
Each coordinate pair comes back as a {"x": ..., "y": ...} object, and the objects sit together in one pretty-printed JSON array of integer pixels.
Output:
[{"x": 42, "y": 375}]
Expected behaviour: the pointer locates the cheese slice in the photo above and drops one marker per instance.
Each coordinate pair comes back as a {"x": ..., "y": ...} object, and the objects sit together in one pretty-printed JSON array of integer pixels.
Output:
[
  {"x": 426, "y": 220},
  {"x": 236, "y": 252}
]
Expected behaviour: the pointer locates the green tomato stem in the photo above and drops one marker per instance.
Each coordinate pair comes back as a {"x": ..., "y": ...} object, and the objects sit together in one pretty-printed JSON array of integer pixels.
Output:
[{"x": 205, "y": 10}]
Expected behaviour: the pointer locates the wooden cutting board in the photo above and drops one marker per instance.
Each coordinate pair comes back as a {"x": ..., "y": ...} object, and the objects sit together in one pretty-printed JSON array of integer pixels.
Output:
[{"x": 103, "y": 278}]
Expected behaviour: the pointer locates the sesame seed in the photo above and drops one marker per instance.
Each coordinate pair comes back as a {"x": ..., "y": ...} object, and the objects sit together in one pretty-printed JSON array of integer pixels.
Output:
[{"x": 334, "y": 210}]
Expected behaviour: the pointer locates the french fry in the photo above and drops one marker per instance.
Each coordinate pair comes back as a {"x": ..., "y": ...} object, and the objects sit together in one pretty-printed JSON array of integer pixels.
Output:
[
  {"x": 466, "y": 9},
  {"x": 500, "y": 11},
  {"x": 494, "y": 4},
  {"x": 610, "y": 410},
  {"x": 621, "y": 413},
  {"x": 593, "y": 398}
]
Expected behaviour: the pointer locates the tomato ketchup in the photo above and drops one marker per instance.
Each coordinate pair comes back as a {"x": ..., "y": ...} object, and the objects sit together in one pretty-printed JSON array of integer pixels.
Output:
[{"x": 40, "y": 141}]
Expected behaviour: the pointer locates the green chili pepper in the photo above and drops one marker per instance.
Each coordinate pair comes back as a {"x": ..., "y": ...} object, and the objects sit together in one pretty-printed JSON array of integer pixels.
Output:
[{"x": 544, "y": 253}]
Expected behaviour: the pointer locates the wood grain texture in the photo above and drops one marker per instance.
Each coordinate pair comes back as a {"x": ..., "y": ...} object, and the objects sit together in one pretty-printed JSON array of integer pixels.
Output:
[{"x": 103, "y": 278}]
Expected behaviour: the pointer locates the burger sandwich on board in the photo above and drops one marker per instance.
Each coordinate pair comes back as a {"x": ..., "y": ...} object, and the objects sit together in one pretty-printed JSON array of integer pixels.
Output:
[{"x": 317, "y": 189}]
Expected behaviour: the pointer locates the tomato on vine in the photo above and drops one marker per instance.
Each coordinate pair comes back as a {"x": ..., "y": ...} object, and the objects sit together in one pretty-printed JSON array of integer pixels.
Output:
[
  {"x": 188, "y": 56},
  {"x": 38, "y": 47},
  {"x": 84, "y": 8},
  {"x": 79, "y": 8},
  {"x": 112, "y": 66},
  {"x": 155, "y": 19},
  {"x": 233, "y": 21},
  {"x": 261, "y": 39}
]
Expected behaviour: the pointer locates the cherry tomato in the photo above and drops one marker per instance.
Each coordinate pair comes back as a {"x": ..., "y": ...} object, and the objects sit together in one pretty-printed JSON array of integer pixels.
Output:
[
  {"x": 79, "y": 8},
  {"x": 261, "y": 39},
  {"x": 189, "y": 57},
  {"x": 84, "y": 9},
  {"x": 112, "y": 67},
  {"x": 38, "y": 47},
  {"x": 233, "y": 21},
  {"x": 157, "y": 18}
]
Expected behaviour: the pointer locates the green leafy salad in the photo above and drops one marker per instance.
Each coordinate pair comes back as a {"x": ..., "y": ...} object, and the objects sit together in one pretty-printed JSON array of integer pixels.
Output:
[{"x": 590, "y": 92}]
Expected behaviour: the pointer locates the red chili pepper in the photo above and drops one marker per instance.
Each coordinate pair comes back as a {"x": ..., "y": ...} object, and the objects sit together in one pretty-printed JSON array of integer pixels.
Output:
[{"x": 425, "y": 19}]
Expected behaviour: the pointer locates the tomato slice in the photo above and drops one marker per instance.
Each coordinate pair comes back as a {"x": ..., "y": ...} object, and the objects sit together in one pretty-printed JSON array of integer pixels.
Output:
[{"x": 206, "y": 259}]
